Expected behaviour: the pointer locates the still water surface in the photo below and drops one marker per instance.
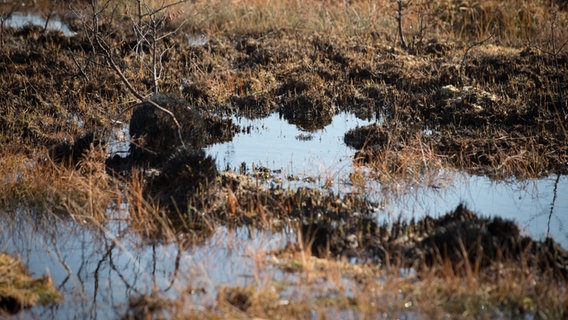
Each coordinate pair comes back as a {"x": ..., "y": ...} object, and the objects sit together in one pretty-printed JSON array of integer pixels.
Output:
[
  {"x": 19, "y": 20},
  {"x": 539, "y": 206}
]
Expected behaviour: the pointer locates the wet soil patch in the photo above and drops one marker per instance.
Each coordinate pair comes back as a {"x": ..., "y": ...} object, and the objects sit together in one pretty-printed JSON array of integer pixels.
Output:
[
  {"x": 495, "y": 126},
  {"x": 494, "y": 106}
]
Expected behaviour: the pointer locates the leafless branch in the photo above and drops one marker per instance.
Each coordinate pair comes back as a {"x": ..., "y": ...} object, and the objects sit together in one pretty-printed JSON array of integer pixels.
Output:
[
  {"x": 399, "y": 10},
  {"x": 81, "y": 70},
  {"x": 146, "y": 32}
]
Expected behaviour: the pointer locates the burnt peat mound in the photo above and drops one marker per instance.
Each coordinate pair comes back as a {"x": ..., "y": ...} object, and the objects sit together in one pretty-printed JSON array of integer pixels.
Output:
[
  {"x": 461, "y": 239},
  {"x": 156, "y": 136}
]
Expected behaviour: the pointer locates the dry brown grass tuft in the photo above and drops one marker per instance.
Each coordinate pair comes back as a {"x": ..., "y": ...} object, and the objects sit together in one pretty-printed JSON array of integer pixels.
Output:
[
  {"x": 402, "y": 156},
  {"x": 18, "y": 290},
  {"x": 513, "y": 22},
  {"x": 83, "y": 191}
]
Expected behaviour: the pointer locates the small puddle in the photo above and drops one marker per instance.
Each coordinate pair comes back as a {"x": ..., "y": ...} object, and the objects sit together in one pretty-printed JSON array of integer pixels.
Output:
[
  {"x": 287, "y": 151},
  {"x": 196, "y": 40},
  {"x": 19, "y": 20}
]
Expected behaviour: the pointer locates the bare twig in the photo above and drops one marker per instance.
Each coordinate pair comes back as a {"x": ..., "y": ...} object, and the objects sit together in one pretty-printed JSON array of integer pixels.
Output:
[
  {"x": 555, "y": 53},
  {"x": 400, "y": 7},
  {"x": 99, "y": 42},
  {"x": 148, "y": 26},
  {"x": 50, "y": 13},
  {"x": 554, "y": 192},
  {"x": 81, "y": 69}
]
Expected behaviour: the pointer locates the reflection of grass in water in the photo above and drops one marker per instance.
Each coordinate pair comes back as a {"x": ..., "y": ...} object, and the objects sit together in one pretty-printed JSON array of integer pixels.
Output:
[{"x": 326, "y": 287}]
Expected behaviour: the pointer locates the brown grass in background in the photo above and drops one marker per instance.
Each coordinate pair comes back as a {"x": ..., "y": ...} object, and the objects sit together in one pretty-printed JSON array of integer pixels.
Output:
[{"x": 513, "y": 22}]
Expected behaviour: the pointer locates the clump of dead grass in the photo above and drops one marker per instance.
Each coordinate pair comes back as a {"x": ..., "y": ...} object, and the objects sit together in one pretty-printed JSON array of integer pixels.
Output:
[
  {"x": 328, "y": 287},
  {"x": 507, "y": 289},
  {"x": 18, "y": 290},
  {"x": 84, "y": 191},
  {"x": 395, "y": 154}
]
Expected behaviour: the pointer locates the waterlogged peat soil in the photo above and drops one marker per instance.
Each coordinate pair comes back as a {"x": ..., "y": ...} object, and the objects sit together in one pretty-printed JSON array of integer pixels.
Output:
[
  {"x": 494, "y": 110},
  {"x": 499, "y": 110},
  {"x": 484, "y": 109}
]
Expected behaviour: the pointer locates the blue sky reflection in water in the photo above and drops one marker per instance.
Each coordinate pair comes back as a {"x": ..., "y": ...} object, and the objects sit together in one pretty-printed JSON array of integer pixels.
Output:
[
  {"x": 530, "y": 203},
  {"x": 99, "y": 268},
  {"x": 278, "y": 145}
]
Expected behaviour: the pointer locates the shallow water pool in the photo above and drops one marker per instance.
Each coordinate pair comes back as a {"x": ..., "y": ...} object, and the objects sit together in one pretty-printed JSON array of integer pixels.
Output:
[
  {"x": 100, "y": 267},
  {"x": 19, "y": 20}
]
